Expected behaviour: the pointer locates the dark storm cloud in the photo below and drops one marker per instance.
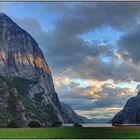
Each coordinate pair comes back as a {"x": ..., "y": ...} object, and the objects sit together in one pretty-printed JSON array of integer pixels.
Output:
[
  {"x": 95, "y": 69},
  {"x": 129, "y": 45},
  {"x": 53, "y": 7},
  {"x": 85, "y": 17},
  {"x": 120, "y": 14},
  {"x": 67, "y": 54},
  {"x": 77, "y": 58},
  {"x": 68, "y": 50}
]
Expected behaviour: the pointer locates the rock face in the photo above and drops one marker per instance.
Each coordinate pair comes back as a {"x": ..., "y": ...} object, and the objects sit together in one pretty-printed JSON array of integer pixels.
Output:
[
  {"x": 11, "y": 106},
  {"x": 130, "y": 112},
  {"x": 73, "y": 117},
  {"x": 22, "y": 62}
]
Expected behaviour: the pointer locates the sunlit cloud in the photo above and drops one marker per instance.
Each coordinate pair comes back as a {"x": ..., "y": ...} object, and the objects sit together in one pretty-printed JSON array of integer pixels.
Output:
[
  {"x": 99, "y": 112},
  {"x": 96, "y": 95}
]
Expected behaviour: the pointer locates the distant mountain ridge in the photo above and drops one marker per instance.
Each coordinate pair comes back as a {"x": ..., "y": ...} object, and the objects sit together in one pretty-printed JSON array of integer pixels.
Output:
[
  {"x": 71, "y": 113},
  {"x": 85, "y": 119},
  {"x": 23, "y": 64}
]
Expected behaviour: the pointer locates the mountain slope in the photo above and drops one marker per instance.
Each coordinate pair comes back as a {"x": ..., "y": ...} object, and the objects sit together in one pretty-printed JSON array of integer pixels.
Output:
[
  {"x": 131, "y": 111},
  {"x": 23, "y": 63},
  {"x": 85, "y": 119},
  {"x": 73, "y": 117},
  {"x": 11, "y": 106}
]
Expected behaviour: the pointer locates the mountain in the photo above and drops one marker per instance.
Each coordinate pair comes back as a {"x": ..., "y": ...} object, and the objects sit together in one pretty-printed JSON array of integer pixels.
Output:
[
  {"x": 71, "y": 114},
  {"x": 131, "y": 111},
  {"x": 22, "y": 64},
  {"x": 85, "y": 119},
  {"x": 11, "y": 106}
]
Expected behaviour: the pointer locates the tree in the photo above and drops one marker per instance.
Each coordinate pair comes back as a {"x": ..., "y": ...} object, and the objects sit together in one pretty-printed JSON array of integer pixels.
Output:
[
  {"x": 77, "y": 125},
  {"x": 34, "y": 124},
  {"x": 13, "y": 124},
  {"x": 120, "y": 122},
  {"x": 117, "y": 123},
  {"x": 56, "y": 124}
]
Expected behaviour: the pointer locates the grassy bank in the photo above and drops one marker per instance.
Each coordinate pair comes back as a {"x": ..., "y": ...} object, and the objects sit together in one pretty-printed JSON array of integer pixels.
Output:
[{"x": 70, "y": 133}]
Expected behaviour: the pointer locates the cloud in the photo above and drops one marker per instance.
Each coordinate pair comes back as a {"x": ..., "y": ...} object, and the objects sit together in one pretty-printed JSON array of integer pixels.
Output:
[
  {"x": 70, "y": 55},
  {"x": 94, "y": 68},
  {"x": 95, "y": 95},
  {"x": 129, "y": 45},
  {"x": 92, "y": 15},
  {"x": 120, "y": 14},
  {"x": 138, "y": 88},
  {"x": 55, "y": 7},
  {"x": 98, "y": 113},
  {"x": 63, "y": 37}
]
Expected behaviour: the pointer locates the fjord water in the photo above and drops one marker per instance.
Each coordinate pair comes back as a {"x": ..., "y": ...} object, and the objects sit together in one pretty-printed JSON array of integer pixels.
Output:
[
  {"x": 97, "y": 125},
  {"x": 108, "y": 125},
  {"x": 90, "y": 125}
]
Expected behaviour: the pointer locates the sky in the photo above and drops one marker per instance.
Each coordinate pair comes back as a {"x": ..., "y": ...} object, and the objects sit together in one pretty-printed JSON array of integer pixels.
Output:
[{"x": 92, "y": 49}]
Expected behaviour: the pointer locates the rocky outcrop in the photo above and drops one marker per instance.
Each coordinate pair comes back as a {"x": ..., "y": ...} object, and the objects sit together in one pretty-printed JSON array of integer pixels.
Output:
[
  {"x": 71, "y": 115},
  {"x": 22, "y": 61},
  {"x": 11, "y": 106},
  {"x": 131, "y": 111}
]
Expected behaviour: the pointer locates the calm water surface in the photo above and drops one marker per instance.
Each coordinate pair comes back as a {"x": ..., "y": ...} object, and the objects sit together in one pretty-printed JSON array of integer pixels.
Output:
[
  {"x": 90, "y": 125},
  {"x": 97, "y": 125}
]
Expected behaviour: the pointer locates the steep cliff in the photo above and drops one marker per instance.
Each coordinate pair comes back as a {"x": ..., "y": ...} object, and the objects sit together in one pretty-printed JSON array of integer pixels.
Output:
[
  {"x": 23, "y": 63},
  {"x": 11, "y": 106},
  {"x": 131, "y": 111}
]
